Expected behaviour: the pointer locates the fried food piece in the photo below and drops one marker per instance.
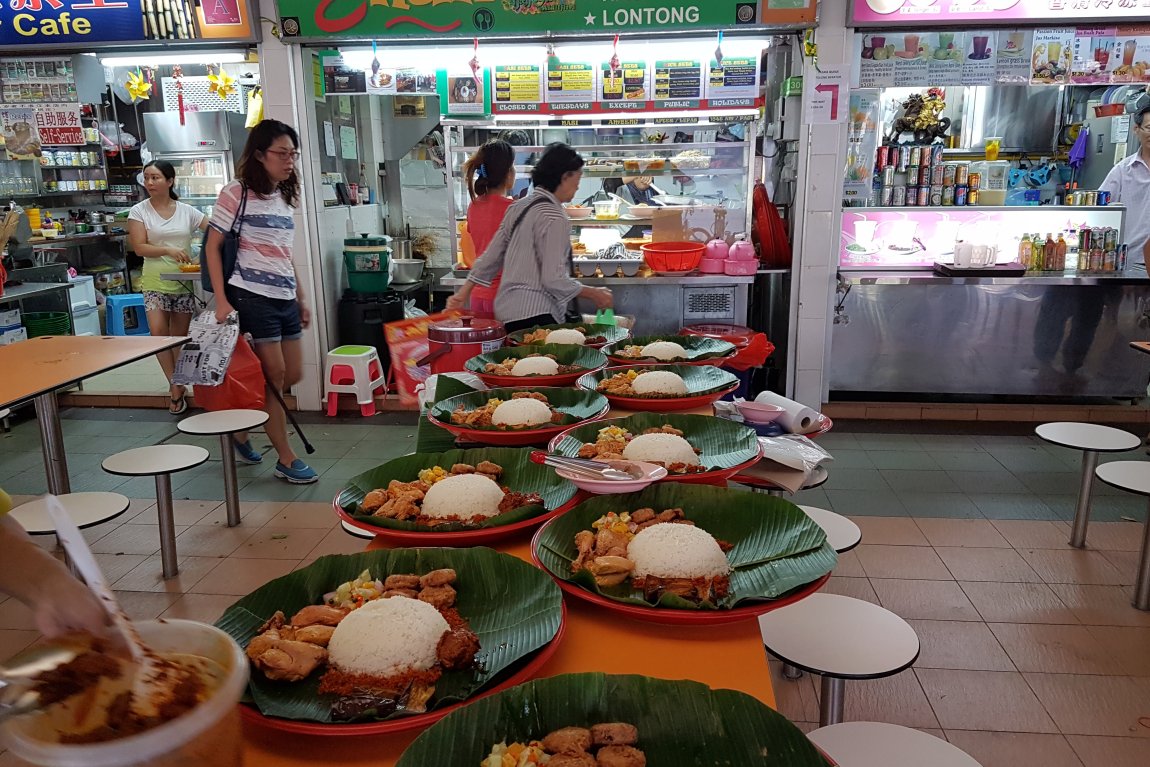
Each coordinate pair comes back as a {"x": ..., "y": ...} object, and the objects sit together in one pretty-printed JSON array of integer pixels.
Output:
[
  {"x": 492, "y": 470},
  {"x": 409, "y": 593},
  {"x": 457, "y": 649},
  {"x": 669, "y": 515},
  {"x": 285, "y": 660},
  {"x": 462, "y": 468},
  {"x": 401, "y": 582},
  {"x": 439, "y": 597},
  {"x": 531, "y": 395},
  {"x": 513, "y": 500},
  {"x": 639, "y": 516},
  {"x": 585, "y": 543},
  {"x": 418, "y": 695},
  {"x": 318, "y": 615},
  {"x": 572, "y": 760},
  {"x": 611, "y": 571},
  {"x": 568, "y": 740},
  {"x": 442, "y": 577},
  {"x": 318, "y": 635},
  {"x": 610, "y": 543},
  {"x": 373, "y": 500},
  {"x": 621, "y": 756},
  {"x": 277, "y": 621},
  {"x": 614, "y": 734}
]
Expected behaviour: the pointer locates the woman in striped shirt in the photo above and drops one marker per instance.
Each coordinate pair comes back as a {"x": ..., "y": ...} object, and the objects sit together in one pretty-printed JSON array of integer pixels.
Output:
[{"x": 532, "y": 248}]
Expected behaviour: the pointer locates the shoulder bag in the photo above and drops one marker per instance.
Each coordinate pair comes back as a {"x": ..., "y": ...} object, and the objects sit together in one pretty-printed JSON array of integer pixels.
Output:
[{"x": 229, "y": 248}]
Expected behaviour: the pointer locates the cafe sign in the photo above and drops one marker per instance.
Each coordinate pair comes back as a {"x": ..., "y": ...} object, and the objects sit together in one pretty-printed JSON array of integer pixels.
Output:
[
  {"x": 376, "y": 19},
  {"x": 922, "y": 13}
]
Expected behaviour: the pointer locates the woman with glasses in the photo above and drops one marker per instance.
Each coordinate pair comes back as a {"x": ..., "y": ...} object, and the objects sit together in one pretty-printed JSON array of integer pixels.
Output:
[{"x": 262, "y": 286}]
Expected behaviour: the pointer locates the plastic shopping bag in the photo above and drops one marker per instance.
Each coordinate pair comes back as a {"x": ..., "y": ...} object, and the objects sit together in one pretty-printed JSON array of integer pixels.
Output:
[
  {"x": 204, "y": 360},
  {"x": 243, "y": 387}
]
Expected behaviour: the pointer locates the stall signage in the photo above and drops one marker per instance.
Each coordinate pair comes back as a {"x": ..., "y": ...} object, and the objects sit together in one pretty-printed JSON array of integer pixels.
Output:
[
  {"x": 469, "y": 18},
  {"x": 678, "y": 84},
  {"x": 624, "y": 87},
  {"x": 922, "y": 13},
  {"x": 59, "y": 124},
  {"x": 40, "y": 22},
  {"x": 27, "y": 128},
  {"x": 518, "y": 89}
]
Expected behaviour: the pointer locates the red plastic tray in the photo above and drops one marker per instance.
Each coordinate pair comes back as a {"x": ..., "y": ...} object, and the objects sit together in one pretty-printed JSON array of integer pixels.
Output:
[
  {"x": 517, "y": 438},
  {"x": 717, "y": 361},
  {"x": 678, "y": 617},
  {"x": 252, "y": 715},
  {"x": 564, "y": 379},
  {"x": 669, "y": 404}
]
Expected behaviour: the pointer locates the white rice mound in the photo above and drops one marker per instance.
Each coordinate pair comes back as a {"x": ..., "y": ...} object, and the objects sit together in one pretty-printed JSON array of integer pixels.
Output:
[
  {"x": 463, "y": 495},
  {"x": 521, "y": 412},
  {"x": 660, "y": 382},
  {"x": 661, "y": 448},
  {"x": 664, "y": 350},
  {"x": 668, "y": 550},
  {"x": 386, "y": 637},
  {"x": 535, "y": 366},
  {"x": 566, "y": 336}
]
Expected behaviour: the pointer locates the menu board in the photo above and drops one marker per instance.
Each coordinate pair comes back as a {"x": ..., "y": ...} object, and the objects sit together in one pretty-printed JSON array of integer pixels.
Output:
[
  {"x": 571, "y": 84},
  {"x": 463, "y": 92},
  {"x": 944, "y": 55},
  {"x": 1091, "y": 62},
  {"x": 979, "y": 58},
  {"x": 518, "y": 88},
  {"x": 733, "y": 82},
  {"x": 626, "y": 87},
  {"x": 32, "y": 81},
  {"x": 678, "y": 84},
  {"x": 1050, "y": 56},
  {"x": 1012, "y": 50},
  {"x": 1129, "y": 59}
]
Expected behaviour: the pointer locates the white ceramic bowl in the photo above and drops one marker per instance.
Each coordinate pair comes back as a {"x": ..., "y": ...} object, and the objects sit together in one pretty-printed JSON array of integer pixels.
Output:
[
  {"x": 651, "y": 474},
  {"x": 583, "y": 212},
  {"x": 760, "y": 412}
]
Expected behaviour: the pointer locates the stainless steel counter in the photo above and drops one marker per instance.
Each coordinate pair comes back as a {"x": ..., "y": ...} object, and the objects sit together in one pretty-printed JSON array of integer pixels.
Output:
[
  {"x": 702, "y": 280},
  {"x": 1036, "y": 335}
]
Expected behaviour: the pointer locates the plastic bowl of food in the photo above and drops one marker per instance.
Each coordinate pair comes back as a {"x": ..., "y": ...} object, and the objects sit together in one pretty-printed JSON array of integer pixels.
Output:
[
  {"x": 578, "y": 211},
  {"x": 607, "y": 209},
  {"x": 759, "y": 412},
  {"x": 673, "y": 257},
  {"x": 189, "y": 268},
  {"x": 649, "y": 474}
]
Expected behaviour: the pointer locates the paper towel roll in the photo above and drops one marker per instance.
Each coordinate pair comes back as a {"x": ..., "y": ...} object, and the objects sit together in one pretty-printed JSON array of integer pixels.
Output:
[{"x": 799, "y": 419}]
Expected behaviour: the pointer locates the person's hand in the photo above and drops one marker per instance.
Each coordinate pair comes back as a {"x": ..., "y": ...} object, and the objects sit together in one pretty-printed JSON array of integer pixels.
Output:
[
  {"x": 602, "y": 298},
  {"x": 179, "y": 256},
  {"x": 455, "y": 301},
  {"x": 223, "y": 309},
  {"x": 304, "y": 315},
  {"x": 71, "y": 607}
]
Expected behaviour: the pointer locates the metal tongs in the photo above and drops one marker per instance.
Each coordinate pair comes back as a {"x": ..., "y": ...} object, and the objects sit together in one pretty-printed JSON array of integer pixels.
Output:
[
  {"x": 18, "y": 675},
  {"x": 586, "y": 468}
]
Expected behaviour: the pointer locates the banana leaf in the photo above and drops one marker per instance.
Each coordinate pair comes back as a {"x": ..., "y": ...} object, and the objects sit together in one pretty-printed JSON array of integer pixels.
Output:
[
  {"x": 680, "y": 723},
  {"x": 612, "y": 333},
  {"x": 519, "y": 474},
  {"x": 698, "y": 347},
  {"x": 777, "y": 547},
  {"x": 512, "y": 607},
  {"x": 584, "y": 357},
  {"x": 724, "y": 444},
  {"x": 575, "y": 404},
  {"x": 700, "y": 379},
  {"x": 430, "y": 438}
]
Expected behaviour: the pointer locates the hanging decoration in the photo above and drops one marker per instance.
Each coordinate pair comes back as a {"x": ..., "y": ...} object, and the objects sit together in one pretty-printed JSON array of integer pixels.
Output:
[
  {"x": 718, "y": 49},
  {"x": 474, "y": 63},
  {"x": 220, "y": 83},
  {"x": 178, "y": 76},
  {"x": 139, "y": 89},
  {"x": 552, "y": 57}
]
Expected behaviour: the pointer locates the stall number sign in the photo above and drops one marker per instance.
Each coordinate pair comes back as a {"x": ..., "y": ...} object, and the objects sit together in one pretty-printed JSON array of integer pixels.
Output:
[
  {"x": 40, "y": 22},
  {"x": 59, "y": 125}
]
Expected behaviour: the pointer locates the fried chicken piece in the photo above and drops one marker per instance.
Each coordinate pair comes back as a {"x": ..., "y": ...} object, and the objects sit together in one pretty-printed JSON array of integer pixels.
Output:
[
  {"x": 439, "y": 597},
  {"x": 277, "y": 621},
  {"x": 403, "y": 507},
  {"x": 512, "y": 500},
  {"x": 588, "y": 451},
  {"x": 492, "y": 470},
  {"x": 621, "y": 756},
  {"x": 409, "y": 593},
  {"x": 585, "y": 543},
  {"x": 284, "y": 659},
  {"x": 610, "y": 543},
  {"x": 639, "y": 516},
  {"x": 322, "y": 615},
  {"x": 568, "y": 740},
  {"x": 614, "y": 734},
  {"x": 373, "y": 500},
  {"x": 317, "y": 635},
  {"x": 442, "y": 577},
  {"x": 611, "y": 571},
  {"x": 572, "y": 760},
  {"x": 401, "y": 582},
  {"x": 417, "y": 696},
  {"x": 462, "y": 468},
  {"x": 457, "y": 649}
]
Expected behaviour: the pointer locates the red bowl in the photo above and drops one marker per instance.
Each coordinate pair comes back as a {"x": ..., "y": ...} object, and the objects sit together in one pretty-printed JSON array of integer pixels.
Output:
[
  {"x": 252, "y": 715},
  {"x": 670, "y": 617},
  {"x": 477, "y": 537},
  {"x": 516, "y": 438},
  {"x": 673, "y": 256}
]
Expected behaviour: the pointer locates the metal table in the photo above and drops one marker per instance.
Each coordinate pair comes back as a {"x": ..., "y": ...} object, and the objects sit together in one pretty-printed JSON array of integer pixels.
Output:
[{"x": 18, "y": 293}]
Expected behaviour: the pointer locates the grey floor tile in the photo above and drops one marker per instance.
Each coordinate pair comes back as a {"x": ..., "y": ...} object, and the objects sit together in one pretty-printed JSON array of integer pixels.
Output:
[
  {"x": 918, "y": 460},
  {"x": 1034, "y": 459},
  {"x": 855, "y": 479},
  {"x": 955, "y": 505},
  {"x": 919, "y": 481},
  {"x": 817, "y": 497},
  {"x": 1049, "y": 482},
  {"x": 988, "y": 482},
  {"x": 955, "y": 460},
  {"x": 849, "y": 459},
  {"x": 1009, "y": 506},
  {"x": 868, "y": 503},
  {"x": 949, "y": 442},
  {"x": 888, "y": 442},
  {"x": 839, "y": 440}
]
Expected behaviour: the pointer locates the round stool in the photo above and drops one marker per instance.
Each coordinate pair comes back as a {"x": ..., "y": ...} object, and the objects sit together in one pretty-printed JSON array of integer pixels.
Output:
[
  {"x": 842, "y": 534},
  {"x": 839, "y": 638},
  {"x": 878, "y": 744},
  {"x": 353, "y": 530},
  {"x": 4, "y": 414},
  {"x": 161, "y": 462},
  {"x": 1134, "y": 477},
  {"x": 85, "y": 509},
  {"x": 225, "y": 423},
  {"x": 1091, "y": 439}
]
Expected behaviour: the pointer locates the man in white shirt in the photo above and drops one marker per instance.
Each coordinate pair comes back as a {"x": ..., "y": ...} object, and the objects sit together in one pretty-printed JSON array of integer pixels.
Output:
[{"x": 1129, "y": 184}]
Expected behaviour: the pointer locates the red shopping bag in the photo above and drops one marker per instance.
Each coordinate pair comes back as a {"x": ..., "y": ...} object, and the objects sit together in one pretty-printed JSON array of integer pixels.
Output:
[{"x": 244, "y": 386}]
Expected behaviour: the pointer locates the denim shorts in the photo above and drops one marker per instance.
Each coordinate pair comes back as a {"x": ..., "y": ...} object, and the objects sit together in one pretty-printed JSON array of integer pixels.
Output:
[{"x": 267, "y": 319}]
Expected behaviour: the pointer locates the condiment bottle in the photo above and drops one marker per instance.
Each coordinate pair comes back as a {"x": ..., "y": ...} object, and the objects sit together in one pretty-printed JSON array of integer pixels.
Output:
[
  {"x": 1024, "y": 251},
  {"x": 1060, "y": 253}
]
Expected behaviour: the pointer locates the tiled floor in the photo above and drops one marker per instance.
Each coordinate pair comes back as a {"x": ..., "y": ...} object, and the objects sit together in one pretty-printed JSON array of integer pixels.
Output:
[
  {"x": 143, "y": 377},
  {"x": 1031, "y": 653}
]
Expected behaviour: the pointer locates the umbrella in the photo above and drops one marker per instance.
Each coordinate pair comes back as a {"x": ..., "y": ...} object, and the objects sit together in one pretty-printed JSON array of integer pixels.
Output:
[{"x": 1078, "y": 150}]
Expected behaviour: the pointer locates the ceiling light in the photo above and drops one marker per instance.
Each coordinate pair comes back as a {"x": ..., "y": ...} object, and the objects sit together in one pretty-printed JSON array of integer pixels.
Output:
[{"x": 162, "y": 59}]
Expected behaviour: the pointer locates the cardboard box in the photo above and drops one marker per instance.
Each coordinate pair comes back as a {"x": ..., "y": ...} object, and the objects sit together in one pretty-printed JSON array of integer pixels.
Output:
[
  {"x": 11, "y": 335},
  {"x": 9, "y": 318}
]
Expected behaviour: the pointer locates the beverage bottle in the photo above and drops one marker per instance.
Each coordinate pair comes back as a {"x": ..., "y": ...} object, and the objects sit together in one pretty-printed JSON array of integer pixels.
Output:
[
  {"x": 1024, "y": 251},
  {"x": 1084, "y": 249},
  {"x": 1048, "y": 253},
  {"x": 364, "y": 190},
  {"x": 1060, "y": 253},
  {"x": 1036, "y": 253}
]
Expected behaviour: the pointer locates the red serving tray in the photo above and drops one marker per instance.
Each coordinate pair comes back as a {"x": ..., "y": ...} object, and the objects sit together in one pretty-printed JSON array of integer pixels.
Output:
[
  {"x": 669, "y": 404},
  {"x": 251, "y": 714},
  {"x": 678, "y": 617},
  {"x": 515, "y": 438},
  {"x": 563, "y": 379},
  {"x": 717, "y": 361}
]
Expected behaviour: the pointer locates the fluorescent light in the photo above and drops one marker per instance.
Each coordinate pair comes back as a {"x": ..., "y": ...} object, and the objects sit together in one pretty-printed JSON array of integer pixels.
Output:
[{"x": 146, "y": 59}]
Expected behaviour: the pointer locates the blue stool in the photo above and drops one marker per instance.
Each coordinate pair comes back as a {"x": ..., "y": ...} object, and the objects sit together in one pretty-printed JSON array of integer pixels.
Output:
[{"x": 118, "y": 309}]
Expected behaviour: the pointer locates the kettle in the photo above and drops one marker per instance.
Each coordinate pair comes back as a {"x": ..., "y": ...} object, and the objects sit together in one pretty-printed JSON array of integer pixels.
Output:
[
  {"x": 742, "y": 250},
  {"x": 717, "y": 249}
]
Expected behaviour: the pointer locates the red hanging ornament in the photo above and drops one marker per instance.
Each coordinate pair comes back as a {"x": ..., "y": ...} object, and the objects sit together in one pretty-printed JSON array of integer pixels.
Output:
[
  {"x": 177, "y": 75},
  {"x": 614, "y": 62},
  {"x": 475, "y": 62}
]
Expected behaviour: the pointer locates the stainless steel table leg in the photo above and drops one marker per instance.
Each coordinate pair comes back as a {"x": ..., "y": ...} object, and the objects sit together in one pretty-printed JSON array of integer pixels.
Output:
[
  {"x": 1082, "y": 512},
  {"x": 833, "y": 696},
  {"x": 1142, "y": 585},
  {"x": 52, "y": 444},
  {"x": 776, "y": 493},
  {"x": 231, "y": 489},
  {"x": 167, "y": 525},
  {"x": 792, "y": 672}
]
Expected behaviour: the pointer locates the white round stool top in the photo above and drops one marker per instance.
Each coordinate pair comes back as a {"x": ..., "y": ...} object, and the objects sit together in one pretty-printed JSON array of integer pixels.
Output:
[
  {"x": 5, "y": 412},
  {"x": 353, "y": 530},
  {"x": 819, "y": 476},
  {"x": 878, "y": 744},
  {"x": 156, "y": 459},
  {"x": 85, "y": 509},
  {"x": 1088, "y": 436},
  {"x": 842, "y": 534},
  {"x": 223, "y": 422},
  {"x": 840, "y": 636},
  {"x": 1131, "y": 476}
]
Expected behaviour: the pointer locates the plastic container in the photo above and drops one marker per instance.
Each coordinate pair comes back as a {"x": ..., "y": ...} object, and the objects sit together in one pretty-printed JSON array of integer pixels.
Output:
[
  {"x": 47, "y": 324},
  {"x": 740, "y": 268},
  {"x": 673, "y": 256},
  {"x": 652, "y": 473},
  {"x": 581, "y": 211},
  {"x": 759, "y": 412},
  {"x": 712, "y": 265},
  {"x": 367, "y": 282},
  {"x": 606, "y": 209},
  {"x": 209, "y": 734}
]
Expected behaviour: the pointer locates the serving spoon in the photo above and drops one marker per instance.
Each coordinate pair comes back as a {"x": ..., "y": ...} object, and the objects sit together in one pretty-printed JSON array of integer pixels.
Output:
[{"x": 16, "y": 696}]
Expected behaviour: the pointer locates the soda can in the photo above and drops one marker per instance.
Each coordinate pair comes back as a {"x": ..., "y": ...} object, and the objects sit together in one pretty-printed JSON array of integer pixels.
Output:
[
  {"x": 961, "y": 174},
  {"x": 936, "y": 194},
  {"x": 1122, "y": 253},
  {"x": 972, "y": 196},
  {"x": 924, "y": 196},
  {"x": 887, "y": 196},
  {"x": 936, "y": 175},
  {"x": 1111, "y": 239},
  {"x": 903, "y": 158},
  {"x": 960, "y": 192},
  {"x": 924, "y": 176},
  {"x": 936, "y": 154},
  {"x": 948, "y": 195},
  {"x": 1103, "y": 197},
  {"x": 974, "y": 181},
  {"x": 898, "y": 199},
  {"x": 888, "y": 175},
  {"x": 1091, "y": 199},
  {"x": 949, "y": 172},
  {"x": 915, "y": 155},
  {"x": 911, "y": 196}
]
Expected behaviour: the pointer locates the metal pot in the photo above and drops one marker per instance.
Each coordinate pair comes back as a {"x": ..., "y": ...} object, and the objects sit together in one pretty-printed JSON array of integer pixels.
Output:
[
  {"x": 407, "y": 271},
  {"x": 452, "y": 342}
]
